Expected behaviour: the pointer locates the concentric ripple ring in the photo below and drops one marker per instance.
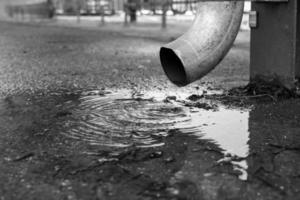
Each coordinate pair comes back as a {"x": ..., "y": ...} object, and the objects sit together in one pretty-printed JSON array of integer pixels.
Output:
[{"x": 118, "y": 120}]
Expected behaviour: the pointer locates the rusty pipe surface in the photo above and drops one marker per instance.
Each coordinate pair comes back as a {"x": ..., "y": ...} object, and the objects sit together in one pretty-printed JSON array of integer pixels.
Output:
[{"x": 205, "y": 44}]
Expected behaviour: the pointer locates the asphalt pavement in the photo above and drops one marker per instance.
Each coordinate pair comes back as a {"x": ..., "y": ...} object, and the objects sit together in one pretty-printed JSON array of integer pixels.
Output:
[{"x": 86, "y": 112}]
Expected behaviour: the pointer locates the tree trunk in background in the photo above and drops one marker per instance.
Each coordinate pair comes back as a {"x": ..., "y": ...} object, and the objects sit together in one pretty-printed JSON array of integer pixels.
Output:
[
  {"x": 132, "y": 8},
  {"x": 164, "y": 14},
  {"x": 102, "y": 14},
  {"x": 51, "y": 8},
  {"x": 79, "y": 5}
]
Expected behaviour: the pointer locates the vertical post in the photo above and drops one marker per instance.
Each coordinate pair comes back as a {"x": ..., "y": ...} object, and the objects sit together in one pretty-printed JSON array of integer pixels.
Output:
[
  {"x": 50, "y": 9},
  {"x": 113, "y": 10},
  {"x": 297, "y": 70},
  {"x": 102, "y": 5},
  {"x": 22, "y": 13},
  {"x": 164, "y": 15},
  {"x": 102, "y": 14},
  {"x": 132, "y": 8},
  {"x": 78, "y": 8},
  {"x": 126, "y": 14},
  {"x": 275, "y": 46}
]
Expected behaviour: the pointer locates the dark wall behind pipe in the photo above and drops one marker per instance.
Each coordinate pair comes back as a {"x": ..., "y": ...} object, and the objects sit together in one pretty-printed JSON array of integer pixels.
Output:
[{"x": 275, "y": 43}]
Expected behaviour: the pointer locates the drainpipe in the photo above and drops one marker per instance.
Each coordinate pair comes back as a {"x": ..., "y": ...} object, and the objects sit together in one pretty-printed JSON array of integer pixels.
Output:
[{"x": 205, "y": 44}]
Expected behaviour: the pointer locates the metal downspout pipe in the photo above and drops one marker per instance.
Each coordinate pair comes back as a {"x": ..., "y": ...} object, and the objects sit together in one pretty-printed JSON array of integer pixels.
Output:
[{"x": 205, "y": 44}]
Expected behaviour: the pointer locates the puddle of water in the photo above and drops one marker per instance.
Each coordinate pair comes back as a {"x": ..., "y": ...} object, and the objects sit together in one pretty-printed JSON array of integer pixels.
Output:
[
  {"x": 119, "y": 120},
  {"x": 228, "y": 128}
]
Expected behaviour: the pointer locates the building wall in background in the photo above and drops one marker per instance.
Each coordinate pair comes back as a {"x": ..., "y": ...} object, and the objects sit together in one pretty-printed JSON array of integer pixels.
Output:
[
  {"x": 87, "y": 6},
  {"x": 23, "y": 9}
]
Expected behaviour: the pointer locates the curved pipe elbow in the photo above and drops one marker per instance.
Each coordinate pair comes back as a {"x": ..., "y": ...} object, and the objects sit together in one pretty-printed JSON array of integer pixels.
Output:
[{"x": 205, "y": 44}]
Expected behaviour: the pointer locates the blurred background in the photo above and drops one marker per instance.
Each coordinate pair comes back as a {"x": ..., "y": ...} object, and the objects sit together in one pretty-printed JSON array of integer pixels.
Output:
[{"x": 113, "y": 11}]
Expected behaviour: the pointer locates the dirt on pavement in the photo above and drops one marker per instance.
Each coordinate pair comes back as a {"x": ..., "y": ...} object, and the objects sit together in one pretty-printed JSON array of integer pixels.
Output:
[{"x": 89, "y": 114}]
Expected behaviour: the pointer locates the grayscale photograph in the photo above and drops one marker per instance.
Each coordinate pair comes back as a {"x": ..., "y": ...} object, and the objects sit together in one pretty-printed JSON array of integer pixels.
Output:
[{"x": 149, "y": 100}]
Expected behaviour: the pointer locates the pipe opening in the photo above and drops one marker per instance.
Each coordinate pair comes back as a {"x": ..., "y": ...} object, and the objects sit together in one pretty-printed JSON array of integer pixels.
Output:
[{"x": 173, "y": 66}]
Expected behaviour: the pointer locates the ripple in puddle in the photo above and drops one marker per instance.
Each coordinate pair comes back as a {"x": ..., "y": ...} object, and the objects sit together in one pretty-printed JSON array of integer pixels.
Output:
[{"x": 118, "y": 120}]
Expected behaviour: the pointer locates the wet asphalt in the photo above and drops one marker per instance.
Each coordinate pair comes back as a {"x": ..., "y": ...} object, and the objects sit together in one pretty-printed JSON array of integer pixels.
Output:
[{"x": 89, "y": 114}]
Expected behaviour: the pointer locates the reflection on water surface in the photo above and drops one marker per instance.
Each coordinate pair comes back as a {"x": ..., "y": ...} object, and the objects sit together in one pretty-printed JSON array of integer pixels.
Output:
[{"x": 120, "y": 120}]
